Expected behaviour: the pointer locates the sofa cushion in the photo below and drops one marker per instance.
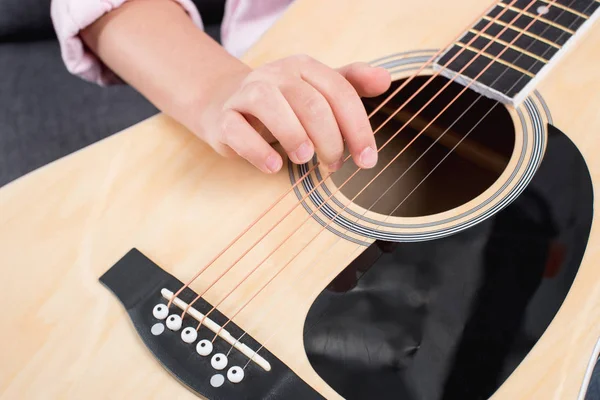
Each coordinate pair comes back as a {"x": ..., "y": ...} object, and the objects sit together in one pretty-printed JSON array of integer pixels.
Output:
[
  {"x": 46, "y": 113},
  {"x": 24, "y": 20}
]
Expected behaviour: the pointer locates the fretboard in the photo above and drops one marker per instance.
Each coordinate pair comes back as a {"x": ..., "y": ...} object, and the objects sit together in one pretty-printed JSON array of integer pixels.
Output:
[{"x": 528, "y": 49}]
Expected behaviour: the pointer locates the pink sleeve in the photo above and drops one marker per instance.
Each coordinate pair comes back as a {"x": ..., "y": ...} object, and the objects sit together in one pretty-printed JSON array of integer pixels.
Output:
[{"x": 71, "y": 16}]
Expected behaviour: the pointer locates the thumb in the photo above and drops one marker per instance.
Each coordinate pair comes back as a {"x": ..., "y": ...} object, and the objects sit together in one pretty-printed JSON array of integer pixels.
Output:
[{"x": 367, "y": 80}]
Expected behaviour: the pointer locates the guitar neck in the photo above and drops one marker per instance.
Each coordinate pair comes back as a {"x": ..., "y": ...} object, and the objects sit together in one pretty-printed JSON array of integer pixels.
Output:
[{"x": 508, "y": 51}]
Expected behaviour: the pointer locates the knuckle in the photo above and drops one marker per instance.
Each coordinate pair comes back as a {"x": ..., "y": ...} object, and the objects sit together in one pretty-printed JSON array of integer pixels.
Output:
[
  {"x": 227, "y": 127},
  {"x": 257, "y": 90},
  {"x": 274, "y": 68},
  {"x": 316, "y": 107}
]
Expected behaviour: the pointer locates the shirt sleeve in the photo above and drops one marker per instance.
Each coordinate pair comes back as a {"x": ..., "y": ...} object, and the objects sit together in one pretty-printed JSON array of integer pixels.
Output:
[{"x": 71, "y": 16}]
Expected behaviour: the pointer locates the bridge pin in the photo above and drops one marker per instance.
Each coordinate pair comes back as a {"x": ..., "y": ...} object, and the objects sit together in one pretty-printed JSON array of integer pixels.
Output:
[
  {"x": 235, "y": 374},
  {"x": 174, "y": 322},
  {"x": 219, "y": 361},
  {"x": 157, "y": 329},
  {"x": 189, "y": 335},
  {"x": 217, "y": 380},
  {"x": 160, "y": 311},
  {"x": 204, "y": 347}
]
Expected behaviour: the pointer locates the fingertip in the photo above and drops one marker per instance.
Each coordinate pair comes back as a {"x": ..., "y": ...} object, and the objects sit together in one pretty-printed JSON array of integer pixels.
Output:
[
  {"x": 378, "y": 81},
  {"x": 303, "y": 153},
  {"x": 336, "y": 165},
  {"x": 273, "y": 164},
  {"x": 384, "y": 77},
  {"x": 367, "y": 158},
  {"x": 370, "y": 81}
]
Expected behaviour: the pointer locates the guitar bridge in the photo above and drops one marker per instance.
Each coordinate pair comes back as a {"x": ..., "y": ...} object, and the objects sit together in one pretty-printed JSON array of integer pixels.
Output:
[{"x": 212, "y": 362}]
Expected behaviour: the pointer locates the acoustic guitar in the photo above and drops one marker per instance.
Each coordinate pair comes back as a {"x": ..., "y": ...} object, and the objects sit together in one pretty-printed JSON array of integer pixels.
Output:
[{"x": 463, "y": 266}]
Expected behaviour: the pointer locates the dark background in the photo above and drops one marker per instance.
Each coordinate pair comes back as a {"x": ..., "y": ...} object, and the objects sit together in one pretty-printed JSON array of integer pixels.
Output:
[{"x": 45, "y": 112}]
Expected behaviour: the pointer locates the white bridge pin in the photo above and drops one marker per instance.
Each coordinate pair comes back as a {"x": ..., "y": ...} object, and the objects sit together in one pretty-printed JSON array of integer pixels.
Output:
[
  {"x": 174, "y": 322},
  {"x": 204, "y": 347},
  {"x": 157, "y": 328},
  {"x": 160, "y": 311},
  {"x": 189, "y": 335},
  {"x": 235, "y": 374},
  {"x": 217, "y": 380},
  {"x": 219, "y": 361}
]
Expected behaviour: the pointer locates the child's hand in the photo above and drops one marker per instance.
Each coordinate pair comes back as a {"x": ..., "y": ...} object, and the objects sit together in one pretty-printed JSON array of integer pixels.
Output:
[
  {"x": 298, "y": 101},
  {"x": 301, "y": 103}
]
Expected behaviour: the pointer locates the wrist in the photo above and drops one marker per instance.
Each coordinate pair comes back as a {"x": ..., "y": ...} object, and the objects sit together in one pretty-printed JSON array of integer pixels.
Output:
[{"x": 204, "y": 97}]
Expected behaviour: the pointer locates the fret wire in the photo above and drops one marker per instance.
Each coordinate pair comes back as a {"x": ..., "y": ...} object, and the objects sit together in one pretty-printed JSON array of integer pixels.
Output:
[
  {"x": 568, "y": 9},
  {"x": 499, "y": 60},
  {"x": 507, "y": 44},
  {"x": 539, "y": 18},
  {"x": 532, "y": 35}
]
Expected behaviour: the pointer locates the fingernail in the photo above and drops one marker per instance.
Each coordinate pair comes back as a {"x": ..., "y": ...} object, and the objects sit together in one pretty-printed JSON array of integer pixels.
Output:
[
  {"x": 368, "y": 157},
  {"x": 273, "y": 163},
  {"x": 304, "y": 152},
  {"x": 336, "y": 165}
]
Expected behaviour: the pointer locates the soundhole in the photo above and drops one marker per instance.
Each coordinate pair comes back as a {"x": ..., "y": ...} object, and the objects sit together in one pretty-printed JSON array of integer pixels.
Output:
[{"x": 443, "y": 158}]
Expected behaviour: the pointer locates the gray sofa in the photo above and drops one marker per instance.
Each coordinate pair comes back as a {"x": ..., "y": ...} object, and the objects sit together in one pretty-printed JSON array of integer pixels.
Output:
[{"x": 46, "y": 113}]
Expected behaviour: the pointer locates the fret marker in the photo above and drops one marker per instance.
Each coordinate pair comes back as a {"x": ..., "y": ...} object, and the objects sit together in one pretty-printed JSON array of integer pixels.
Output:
[{"x": 543, "y": 10}]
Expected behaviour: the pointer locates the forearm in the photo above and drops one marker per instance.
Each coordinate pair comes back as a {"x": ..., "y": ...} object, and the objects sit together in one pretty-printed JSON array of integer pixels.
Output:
[{"x": 154, "y": 46}]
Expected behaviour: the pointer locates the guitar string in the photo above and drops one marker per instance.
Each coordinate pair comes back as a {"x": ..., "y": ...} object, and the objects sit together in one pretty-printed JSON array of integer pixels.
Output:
[
  {"x": 465, "y": 88},
  {"x": 364, "y": 188},
  {"x": 370, "y": 208},
  {"x": 298, "y": 277},
  {"x": 326, "y": 177},
  {"x": 376, "y": 201},
  {"x": 279, "y": 199},
  {"x": 212, "y": 261},
  {"x": 434, "y": 168},
  {"x": 283, "y": 217},
  {"x": 570, "y": 26},
  {"x": 437, "y": 165}
]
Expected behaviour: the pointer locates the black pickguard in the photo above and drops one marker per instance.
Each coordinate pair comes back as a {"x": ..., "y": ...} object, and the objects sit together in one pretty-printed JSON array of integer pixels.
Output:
[
  {"x": 137, "y": 281},
  {"x": 453, "y": 318}
]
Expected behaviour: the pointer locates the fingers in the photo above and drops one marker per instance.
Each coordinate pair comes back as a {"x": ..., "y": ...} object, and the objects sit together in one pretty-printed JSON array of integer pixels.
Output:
[
  {"x": 348, "y": 110},
  {"x": 368, "y": 81},
  {"x": 238, "y": 135},
  {"x": 307, "y": 107},
  {"x": 265, "y": 102},
  {"x": 315, "y": 114}
]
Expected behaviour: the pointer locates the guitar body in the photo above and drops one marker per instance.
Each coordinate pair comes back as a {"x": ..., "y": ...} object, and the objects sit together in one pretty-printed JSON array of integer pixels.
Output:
[{"x": 157, "y": 188}]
